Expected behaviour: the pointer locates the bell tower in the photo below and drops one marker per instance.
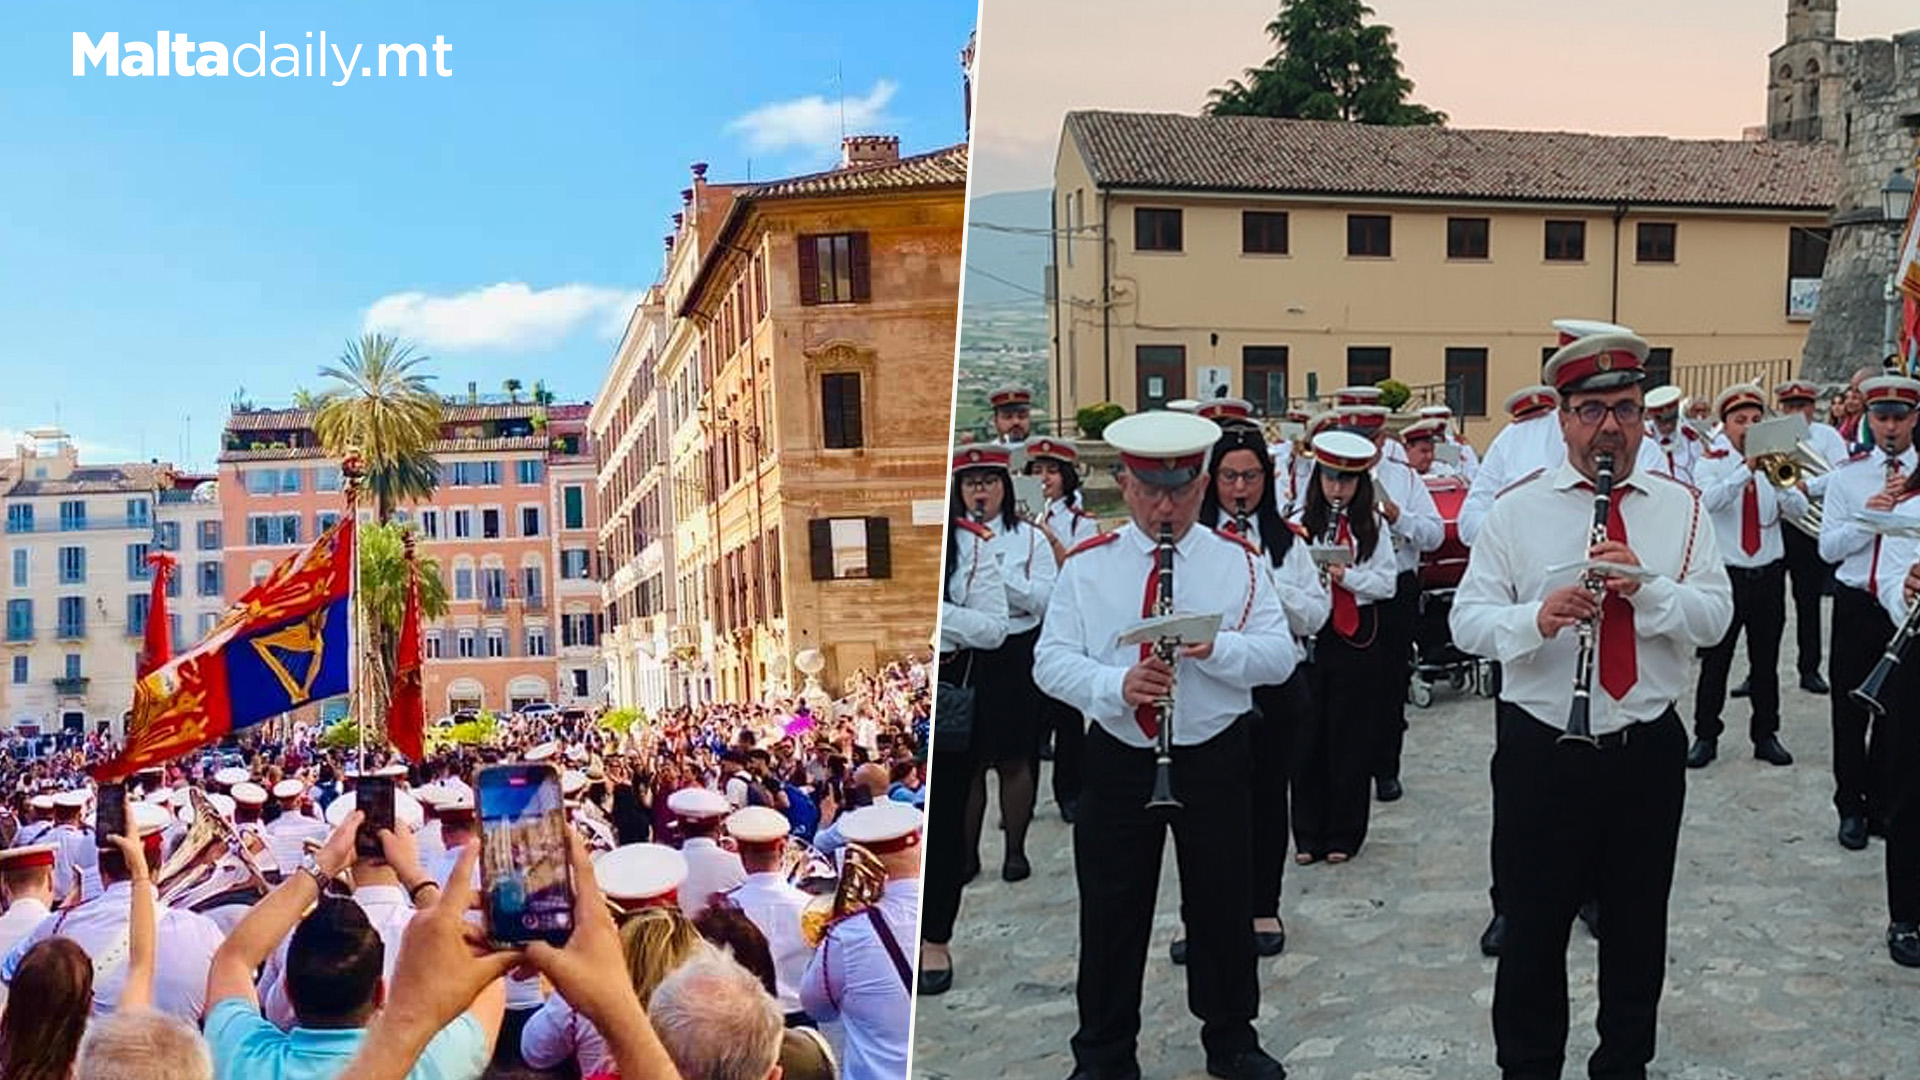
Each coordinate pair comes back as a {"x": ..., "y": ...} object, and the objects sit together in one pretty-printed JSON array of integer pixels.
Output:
[
  {"x": 1811, "y": 20},
  {"x": 1802, "y": 87}
]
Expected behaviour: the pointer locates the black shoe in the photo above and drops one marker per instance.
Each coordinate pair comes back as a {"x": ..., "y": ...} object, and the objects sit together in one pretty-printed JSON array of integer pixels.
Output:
[
  {"x": 1812, "y": 683},
  {"x": 1745, "y": 689},
  {"x": 1903, "y": 943},
  {"x": 1177, "y": 951},
  {"x": 934, "y": 983},
  {"x": 1853, "y": 833},
  {"x": 1067, "y": 811},
  {"x": 972, "y": 871},
  {"x": 1129, "y": 1071},
  {"x": 1387, "y": 789},
  {"x": 1703, "y": 752},
  {"x": 1270, "y": 942},
  {"x": 1494, "y": 936},
  {"x": 1016, "y": 868},
  {"x": 1255, "y": 1064},
  {"x": 1770, "y": 751},
  {"x": 1590, "y": 914}
]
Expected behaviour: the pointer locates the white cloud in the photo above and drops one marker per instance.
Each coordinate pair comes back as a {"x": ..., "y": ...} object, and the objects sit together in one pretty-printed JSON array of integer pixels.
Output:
[
  {"x": 91, "y": 453},
  {"x": 506, "y": 315},
  {"x": 814, "y": 122}
]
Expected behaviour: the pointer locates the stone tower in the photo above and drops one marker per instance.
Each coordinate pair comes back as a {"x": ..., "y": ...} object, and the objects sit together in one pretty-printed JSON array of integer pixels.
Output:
[{"x": 1804, "y": 82}]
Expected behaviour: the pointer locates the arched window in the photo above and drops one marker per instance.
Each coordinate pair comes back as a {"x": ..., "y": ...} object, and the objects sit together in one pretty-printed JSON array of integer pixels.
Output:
[{"x": 1813, "y": 67}]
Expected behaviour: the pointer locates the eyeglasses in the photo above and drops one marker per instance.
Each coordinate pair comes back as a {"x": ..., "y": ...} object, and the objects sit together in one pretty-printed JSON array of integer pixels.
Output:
[
  {"x": 1624, "y": 413},
  {"x": 979, "y": 482},
  {"x": 1235, "y": 476}
]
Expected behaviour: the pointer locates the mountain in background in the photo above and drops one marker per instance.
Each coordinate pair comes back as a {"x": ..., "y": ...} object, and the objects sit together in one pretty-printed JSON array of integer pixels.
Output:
[
  {"x": 1017, "y": 260},
  {"x": 1003, "y": 323}
]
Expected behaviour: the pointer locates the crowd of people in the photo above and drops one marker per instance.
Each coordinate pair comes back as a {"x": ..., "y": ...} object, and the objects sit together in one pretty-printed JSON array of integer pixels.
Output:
[
  {"x": 742, "y": 875},
  {"x": 1611, "y": 535}
]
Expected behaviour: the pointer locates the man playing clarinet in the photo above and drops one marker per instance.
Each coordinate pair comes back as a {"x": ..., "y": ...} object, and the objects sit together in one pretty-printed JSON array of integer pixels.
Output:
[
  {"x": 1589, "y": 770},
  {"x": 1106, "y": 586}
]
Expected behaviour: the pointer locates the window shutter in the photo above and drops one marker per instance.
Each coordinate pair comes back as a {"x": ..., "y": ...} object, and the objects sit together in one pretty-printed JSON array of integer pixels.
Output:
[
  {"x": 862, "y": 268},
  {"x": 879, "y": 551},
  {"x": 850, "y": 413},
  {"x": 820, "y": 548},
  {"x": 809, "y": 270}
]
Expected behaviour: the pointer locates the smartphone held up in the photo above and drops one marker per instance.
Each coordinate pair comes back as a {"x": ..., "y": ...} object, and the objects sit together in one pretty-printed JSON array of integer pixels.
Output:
[{"x": 526, "y": 873}]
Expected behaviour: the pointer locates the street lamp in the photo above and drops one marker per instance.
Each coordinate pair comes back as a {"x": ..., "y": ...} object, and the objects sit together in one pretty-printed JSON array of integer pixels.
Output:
[{"x": 1896, "y": 199}]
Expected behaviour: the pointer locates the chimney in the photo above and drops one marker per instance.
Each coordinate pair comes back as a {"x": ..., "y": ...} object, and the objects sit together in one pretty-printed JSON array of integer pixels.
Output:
[
  {"x": 699, "y": 170},
  {"x": 858, "y": 150}
]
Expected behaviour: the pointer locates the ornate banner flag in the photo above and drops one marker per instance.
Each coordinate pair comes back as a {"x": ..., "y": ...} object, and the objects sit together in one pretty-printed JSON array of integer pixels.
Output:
[
  {"x": 1906, "y": 274},
  {"x": 282, "y": 645},
  {"x": 407, "y": 709}
]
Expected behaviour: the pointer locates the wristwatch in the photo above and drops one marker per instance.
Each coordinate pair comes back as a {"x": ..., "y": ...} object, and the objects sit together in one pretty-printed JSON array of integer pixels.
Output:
[{"x": 311, "y": 864}]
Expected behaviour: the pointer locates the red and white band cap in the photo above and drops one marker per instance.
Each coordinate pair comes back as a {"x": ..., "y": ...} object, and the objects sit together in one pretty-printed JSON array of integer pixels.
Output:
[
  {"x": 1572, "y": 330},
  {"x": 1344, "y": 451},
  {"x": 1435, "y": 412},
  {"x": 1323, "y": 421},
  {"x": 1597, "y": 362},
  {"x": 634, "y": 876},
  {"x": 1165, "y": 449},
  {"x": 982, "y": 456},
  {"x": 1663, "y": 400},
  {"x": 27, "y": 857},
  {"x": 1220, "y": 409},
  {"x": 1048, "y": 446},
  {"x": 1796, "y": 390},
  {"x": 1423, "y": 430},
  {"x": 1356, "y": 395},
  {"x": 1011, "y": 397},
  {"x": 883, "y": 828},
  {"x": 1891, "y": 390},
  {"x": 758, "y": 826},
  {"x": 1368, "y": 418},
  {"x": 1532, "y": 401},
  {"x": 1738, "y": 396}
]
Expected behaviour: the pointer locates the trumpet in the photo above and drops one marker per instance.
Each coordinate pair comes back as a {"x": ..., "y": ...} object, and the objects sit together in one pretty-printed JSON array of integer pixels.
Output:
[
  {"x": 1788, "y": 469},
  {"x": 1167, "y": 650},
  {"x": 1579, "y": 718}
]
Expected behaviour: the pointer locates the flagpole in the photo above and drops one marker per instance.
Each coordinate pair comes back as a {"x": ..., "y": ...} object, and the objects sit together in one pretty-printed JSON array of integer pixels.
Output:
[{"x": 355, "y": 471}]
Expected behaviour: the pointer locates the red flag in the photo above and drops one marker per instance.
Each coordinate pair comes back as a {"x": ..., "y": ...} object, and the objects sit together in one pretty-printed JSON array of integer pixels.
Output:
[
  {"x": 1910, "y": 332},
  {"x": 407, "y": 713},
  {"x": 159, "y": 644}
]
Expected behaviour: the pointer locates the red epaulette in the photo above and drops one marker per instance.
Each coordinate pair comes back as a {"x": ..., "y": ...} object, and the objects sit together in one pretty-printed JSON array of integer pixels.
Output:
[
  {"x": 1529, "y": 478},
  {"x": 1238, "y": 539},
  {"x": 1690, "y": 433},
  {"x": 1299, "y": 530},
  {"x": 974, "y": 527},
  {"x": 1077, "y": 512},
  {"x": 1716, "y": 452},
  {"x": 1860, "y": 455},
  {"x": 1095, "y": 541}
]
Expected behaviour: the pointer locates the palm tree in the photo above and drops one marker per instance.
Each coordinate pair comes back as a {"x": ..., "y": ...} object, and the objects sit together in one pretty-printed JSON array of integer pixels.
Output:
[
  {"x": 512, "y": 387},
  {"x": 304, "y": 398},
  {"x": 383, "y": 409}
]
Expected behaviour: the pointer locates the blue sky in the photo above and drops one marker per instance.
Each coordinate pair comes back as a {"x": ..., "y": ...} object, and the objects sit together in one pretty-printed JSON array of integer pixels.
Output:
[{"x": 165, "y": 242}]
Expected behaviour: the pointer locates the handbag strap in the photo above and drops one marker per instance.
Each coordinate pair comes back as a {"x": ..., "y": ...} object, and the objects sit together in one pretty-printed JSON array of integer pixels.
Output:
[
  {"x": 966, "y": 677},
  {"x": 893, "y": 949}
]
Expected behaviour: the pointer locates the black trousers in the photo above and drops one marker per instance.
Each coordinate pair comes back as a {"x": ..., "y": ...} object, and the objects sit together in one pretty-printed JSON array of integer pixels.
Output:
[
  {"x": 1335, "y": 742},
  {"x": 945, "y": 856},
  {"x": 1862, "y": 744},
  {"x": 1811, "y": 578},
  {"x": 1069, "y": 748},
  {"x": 1117, "y": 846},
  {"x": 1278, "y": 711},
  {"x": 1903, "y": 802},
  {"x": 1397, "y": 618},
  {"x": 1583, "y": 823},
  {"x": 1760, "y": 609}
]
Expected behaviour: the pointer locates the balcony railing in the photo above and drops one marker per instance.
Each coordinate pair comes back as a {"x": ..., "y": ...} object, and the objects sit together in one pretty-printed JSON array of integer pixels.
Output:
[
  {"x": 493, "y": 603},
  {"x": 71, "y": 631},
  {"x": 74, "y": 687},
  {"x": 19, "y": 633},
  {"x": 52, "y": 525}
]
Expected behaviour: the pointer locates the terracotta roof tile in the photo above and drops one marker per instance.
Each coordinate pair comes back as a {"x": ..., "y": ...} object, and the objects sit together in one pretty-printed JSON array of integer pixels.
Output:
[
  {"x": 1236, "y": 153},
  {"x": 937, "y": 168},
  {"x": 95, "y": 480}
]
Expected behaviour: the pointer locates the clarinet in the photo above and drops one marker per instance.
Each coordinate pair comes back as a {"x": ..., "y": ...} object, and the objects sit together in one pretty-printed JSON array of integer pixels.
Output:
[
  {"x": 1579, "y": 721},
  {"x": 1241, "y": 517},
  {"x": 1166, "y": 649},
  {"x": 1867, "y": 694}
]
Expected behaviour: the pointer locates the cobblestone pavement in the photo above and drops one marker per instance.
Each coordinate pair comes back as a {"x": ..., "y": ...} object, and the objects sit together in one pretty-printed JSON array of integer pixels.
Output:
[{"x": 1777, "y": 960}]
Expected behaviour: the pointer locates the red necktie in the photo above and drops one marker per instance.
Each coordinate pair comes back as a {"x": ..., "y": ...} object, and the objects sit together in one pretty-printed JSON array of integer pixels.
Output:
[
  {"x": 1619, "y": 664},
  {"x": 1148, "y": 714},
  {"x": 1346, "y": 610},
  {"x": 1750, "y": 519}
]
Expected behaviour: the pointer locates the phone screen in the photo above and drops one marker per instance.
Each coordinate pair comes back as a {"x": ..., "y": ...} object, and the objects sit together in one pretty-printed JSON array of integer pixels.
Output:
[
  {"x": 110, "y": 816},
  {"x": 373, "y": 796},
  {"x": 525, "y": 873}
]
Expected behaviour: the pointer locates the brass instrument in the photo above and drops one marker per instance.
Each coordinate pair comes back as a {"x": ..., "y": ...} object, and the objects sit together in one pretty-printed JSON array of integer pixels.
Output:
[
  {"x": 1789, "y": 470},
  {"x": 806, "y": 869},
  {"x": 212, "y": 867},
  {"x": 1579, "y": 718},
  {"x": 1167, "y": 650},
  {"x": 863, "y": 877}
]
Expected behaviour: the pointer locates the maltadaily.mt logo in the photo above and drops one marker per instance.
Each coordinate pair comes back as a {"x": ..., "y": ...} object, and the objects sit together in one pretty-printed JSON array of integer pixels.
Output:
[{"x": 173, "y": 54}]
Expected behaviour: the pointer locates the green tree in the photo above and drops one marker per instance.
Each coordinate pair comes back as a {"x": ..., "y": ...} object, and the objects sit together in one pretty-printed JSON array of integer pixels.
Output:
[
  {"x": 383, "y": 579},
  {"x": 382, "y": 408},
  {"x": 304, "y": 398},
  {"x": 1331, "y": 65},
  {"x": 512, "y": 387}
]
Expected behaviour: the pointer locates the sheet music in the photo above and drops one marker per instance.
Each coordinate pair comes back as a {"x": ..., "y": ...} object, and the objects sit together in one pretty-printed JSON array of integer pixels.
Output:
[{"x": 1185, "y": 629}]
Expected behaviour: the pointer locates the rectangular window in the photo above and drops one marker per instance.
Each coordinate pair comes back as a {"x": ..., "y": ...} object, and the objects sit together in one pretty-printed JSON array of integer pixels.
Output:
[
  {"x": 489, "y": 524},
  {"x": 1156, "y": 229},
  {"x": 430, "y": 640},
  {"x": 463, "y": 524},
  {"x": 262, "y": 481},
  {"x": 73, "y": 666},
  {"x": 20, "y": 518},
  {"x": 326, "y": 478},
  {"x": 466, "y": 645},
  {"x": 136, "y": 513},
  {"x": 529, "y": 521},
  {"x": 19, "y": 568},
  {"x": 430, "y": 524},
  {"x": 1654, "y": 241},
  {"x": 73, "y": 515},
  {"x": 1659, "y": 367},
  {"x": 289, "y": 529},
  {"x": 1263, "y": 232},
  {"x": 579, "y": 676},
  {"x": 840, "y": 410},
  {"x": 167, "y": 535},
  {"x": 173, "y": 592},
  {"x": 73, "y": 565},
  {"x": 137, "y": 607},
  {"x": 209, "y": 581},
  {"x": 1467, "y": 237},
  {"x": 462, "y": 475},
  {"x": 1566, "y": 241},
  {"x": 573, "y": 507},
  {"x": 537, "y": 641},
  {"x": 834, "y": 268},
  {"x": 1263, "y": 372},
  {"x": 527, "y": 471},
  {"x": 845, "y": 548},
  {"x": 576, "y": 564},
  {"x": 1370, "y": 234},
  {"x": 259, "y": 528},
  {"x": 1806, "y": 254},
  {"x": 532, "y": 585},
  {"x": 324, "y": 520},
  {"x": 463, "y": 583},
  {"x": 490, "y": 473},
  {"x": 73, "y": 616},
  {"x": 19, "y": 620},
  {"x": 1369, "y": 365},
  {"x": 496, "y": 643},
  {"x": 209, "y": 538},
  {"x": 137, "y": 568},
  {"x": 1160, "y": 374},
  {"x": 19, "y": 671},
  {"x": 1467, "y": 381},
  {"x": 493, "y": 588},
  {"x": 289, "y": 481}
]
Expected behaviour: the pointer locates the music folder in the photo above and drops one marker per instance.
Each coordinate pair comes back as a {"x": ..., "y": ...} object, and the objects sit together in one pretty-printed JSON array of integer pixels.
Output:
[{"x": 1185, "y": 629}]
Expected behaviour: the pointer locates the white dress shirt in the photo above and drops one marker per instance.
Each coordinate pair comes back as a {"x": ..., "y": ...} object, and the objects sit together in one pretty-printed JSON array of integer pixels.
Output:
[
  {"x": 1845, "y": 541},
  {"x": 1419, "y": 528},
  {"x": 1832, "y": 448},
  {"x": 774, "y": 905},
  {"x": 1723, "y": 478},
  {"x": 1521, "y": 448},
  {"x": 20, "y": 920},
  {"x": 75, "y": 859},
  {"x": 973, "y": 614},
  {"x": 1680, "y": 452},
  {"x": 853, "y": 979},
  {"x": 1469, "y": 461},
  {"x": 1027, "y": 570},
  {"x": 710, "y": 869},
  {"x": 1080, "y": 661},
  {"x": 1293, "y": 484},
  {"x": 1897, "y": 555},
  {"x": 184, "y": 944},
  {"x": 1545, "y": 522},
  {"x": 1069, "y": 522},
  {"x": 1303, "y": 598},
  {"x": 287, "y": 836}
]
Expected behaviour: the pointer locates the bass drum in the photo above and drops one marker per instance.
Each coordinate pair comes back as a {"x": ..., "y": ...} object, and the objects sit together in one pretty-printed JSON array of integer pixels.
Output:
[{"x": 1443, "y": 567}]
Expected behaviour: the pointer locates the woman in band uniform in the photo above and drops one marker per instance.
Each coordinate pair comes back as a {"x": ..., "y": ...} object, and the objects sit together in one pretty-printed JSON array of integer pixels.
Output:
[{"x": 1065, "y": 523}]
